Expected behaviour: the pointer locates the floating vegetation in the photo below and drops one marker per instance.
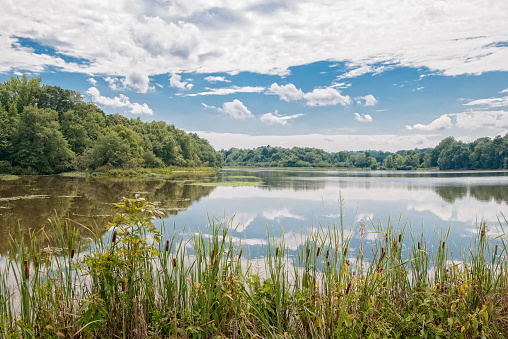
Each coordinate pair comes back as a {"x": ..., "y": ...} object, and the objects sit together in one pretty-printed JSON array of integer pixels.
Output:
[
  {"x": 229, "y": 183},
  {"x": 8, "y": 177},
  {"x": 21, "y": 197},
  {"x": 244, "y": 177}
]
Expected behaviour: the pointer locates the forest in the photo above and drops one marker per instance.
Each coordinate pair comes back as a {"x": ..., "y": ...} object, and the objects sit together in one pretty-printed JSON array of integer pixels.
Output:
[
  {"x": 450, "y": 154},
  {"x": 46, "y": 129}
]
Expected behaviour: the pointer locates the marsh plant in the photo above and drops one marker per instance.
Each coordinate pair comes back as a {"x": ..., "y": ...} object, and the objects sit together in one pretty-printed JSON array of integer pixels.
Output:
[{"x": 134, "y": 282}]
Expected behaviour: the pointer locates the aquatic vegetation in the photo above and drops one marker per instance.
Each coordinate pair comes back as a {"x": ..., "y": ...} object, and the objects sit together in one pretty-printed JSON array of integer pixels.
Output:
[
  {"x": 135, "y": 283},
  {"x": 228, "y": 183}
]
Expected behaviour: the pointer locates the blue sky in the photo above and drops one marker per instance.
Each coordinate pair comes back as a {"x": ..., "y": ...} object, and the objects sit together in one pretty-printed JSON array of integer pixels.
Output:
[{"x": 338, "y": 75}]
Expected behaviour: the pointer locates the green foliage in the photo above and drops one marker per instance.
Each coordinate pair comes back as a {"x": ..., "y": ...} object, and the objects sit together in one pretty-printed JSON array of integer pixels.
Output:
[
  {"x": 125, "y": 285},
  {"x": 38, "y": 142},
  {"x": 47, "y": 129}
]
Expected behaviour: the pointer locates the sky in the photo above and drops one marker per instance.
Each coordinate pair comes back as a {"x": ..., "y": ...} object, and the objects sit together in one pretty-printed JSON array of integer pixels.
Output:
[{"x": 337, "y": 75}]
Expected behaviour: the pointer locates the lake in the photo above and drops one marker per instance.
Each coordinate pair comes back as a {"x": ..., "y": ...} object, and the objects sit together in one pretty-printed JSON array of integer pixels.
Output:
[{"x": 292, "y": 202}]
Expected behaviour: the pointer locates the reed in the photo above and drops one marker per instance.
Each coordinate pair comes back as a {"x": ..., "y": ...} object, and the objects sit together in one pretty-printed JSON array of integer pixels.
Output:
[{"x": 140, "y": 282}]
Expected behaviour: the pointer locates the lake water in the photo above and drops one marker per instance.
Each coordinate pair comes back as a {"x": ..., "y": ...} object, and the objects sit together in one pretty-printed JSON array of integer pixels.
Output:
[{"x": 292, "y": 201}]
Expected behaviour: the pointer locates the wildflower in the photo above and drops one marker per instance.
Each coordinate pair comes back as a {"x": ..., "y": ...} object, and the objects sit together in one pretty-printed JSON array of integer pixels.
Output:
[{"x": 462, "y": 329}]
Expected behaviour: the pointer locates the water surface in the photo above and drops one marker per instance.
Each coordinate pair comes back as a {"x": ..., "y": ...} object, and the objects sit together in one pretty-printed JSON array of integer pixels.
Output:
[{"x": 288, "y": 202}]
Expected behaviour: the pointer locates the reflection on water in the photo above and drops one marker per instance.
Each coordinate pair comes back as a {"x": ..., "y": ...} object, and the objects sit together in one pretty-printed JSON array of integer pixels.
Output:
[
  {"x": 288, "y": 202},
  {"x": 31, "y": 201}
]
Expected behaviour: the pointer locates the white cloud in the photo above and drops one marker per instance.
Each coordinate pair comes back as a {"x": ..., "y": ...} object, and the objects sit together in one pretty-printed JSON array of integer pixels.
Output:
[
  {"x": 363, "y": 117},
  {"x": 327, "y": 96},
  {"x": 116, "y": 84},
  {"x": 114, "y": 38},
  {"x": 496, "y": 120},
  {"x": 441, "y": 123},
  {"x": 492, "y": 102},
  {"x": 277, "y": 214},
  {"x": 92, "y": 81},
  {"x": 286, "y": 92},
  {"x": 328, "y": 142},
  {"x": 235, "y": 109},
  {"x": 504, "y": 90},
  {"x": 207, "y": 106},
  {"x": 277, "y": 119},
  {"x": 134, "y": 80},
  {"x": 214, "y": 79},
  {"x": 229, "y": 90},
  {"x": 176, "y": 81},
  {"x": 119, "y": 101},
  {"x": 368, "y": 100}
]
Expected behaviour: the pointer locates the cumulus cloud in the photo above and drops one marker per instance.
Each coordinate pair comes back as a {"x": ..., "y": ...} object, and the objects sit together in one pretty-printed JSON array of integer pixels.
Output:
[
  {"x": 368, "y": 100},
  {"x": 214, "y": 79},
  {"x": 286, "y": 92},
  {"x": 116, "y": 84},
  {"x": 504, "y": 90},
  {"x": 92, "y": 81},
  {"x": 492, "y": 102},
  {"x": 327, "y": 96},
  {"x": 482, "y": 119},
  {"x": 210, "y": 36},
  {"x": 119, "y": 101},
  {"x": 277, "y": 214},
  {"x": 363, "y": 117},
  {"x": 328, "y": 142},
  {"x": 236, "y": 109},
  {"x": 229, "y": 90},
  {"x": 176, "y": 81},
  {"x": 277, "y": 119},
  {"x": 441, "y": 123}
]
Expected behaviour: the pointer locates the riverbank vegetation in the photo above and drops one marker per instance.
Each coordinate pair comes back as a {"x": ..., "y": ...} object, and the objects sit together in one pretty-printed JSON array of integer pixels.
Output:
[
  {"x": 47, "y": 129},
  {"x": 482, "y": 154},
  {"x": 134, "y": 282}
]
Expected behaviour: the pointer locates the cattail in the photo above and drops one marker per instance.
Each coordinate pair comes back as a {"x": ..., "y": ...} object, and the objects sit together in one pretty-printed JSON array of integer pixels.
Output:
[
  {"x": 495, "y": 251},
  {"x": 123, "y": 284},
  {"x": 240, "y": 254},
  {"x": 113, "y": 239},
  {"x": 327, "y": 253},
  {"x": 215, "y": 262},
  {"x": 27, "y": 270},
  {"x": 276, "y": 251},
  {"x": 167, "y": 245},
  {"x": 318, "y": 250},
  {"x": 382, "y": 254},
  {"x": 345, "y": 251},
  {"x": 400, "y": 237},
  {"x": 348, "y": 287},
  {"x": 443, "y": 245},
  {"x": 72, "y": 253},
  {"x": 36, "y": 262},
  {"x": 213, "y": 253},
  {"x": 174, "y": 262},
  {"x": 418, "y": 245}
]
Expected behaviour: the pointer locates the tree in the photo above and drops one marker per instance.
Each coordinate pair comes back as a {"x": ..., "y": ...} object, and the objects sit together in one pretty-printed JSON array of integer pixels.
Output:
[{"x": 38, "y": 144}]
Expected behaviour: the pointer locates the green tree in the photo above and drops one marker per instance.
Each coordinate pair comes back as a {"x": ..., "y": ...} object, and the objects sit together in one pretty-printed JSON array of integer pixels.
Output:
[{"x": 38, "y": 144}]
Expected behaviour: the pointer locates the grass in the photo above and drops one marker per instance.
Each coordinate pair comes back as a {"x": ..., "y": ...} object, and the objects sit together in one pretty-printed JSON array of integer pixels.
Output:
[
  {"x": 134, "y": 283},
  {"x": 149, "y": 172}
]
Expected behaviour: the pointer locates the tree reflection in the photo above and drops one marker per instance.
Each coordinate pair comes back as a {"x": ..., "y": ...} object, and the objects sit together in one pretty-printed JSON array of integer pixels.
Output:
[{"x": 29, "y": 203}]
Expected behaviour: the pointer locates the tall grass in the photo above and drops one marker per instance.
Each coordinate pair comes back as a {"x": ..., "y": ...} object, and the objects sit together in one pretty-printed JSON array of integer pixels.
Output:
[{"x": 134, "y": 282}]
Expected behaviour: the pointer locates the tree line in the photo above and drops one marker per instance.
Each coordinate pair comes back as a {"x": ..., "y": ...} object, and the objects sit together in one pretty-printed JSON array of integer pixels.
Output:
[
  {"x": 450, "y": 154},
  {"x": 47, "y": 129}
]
